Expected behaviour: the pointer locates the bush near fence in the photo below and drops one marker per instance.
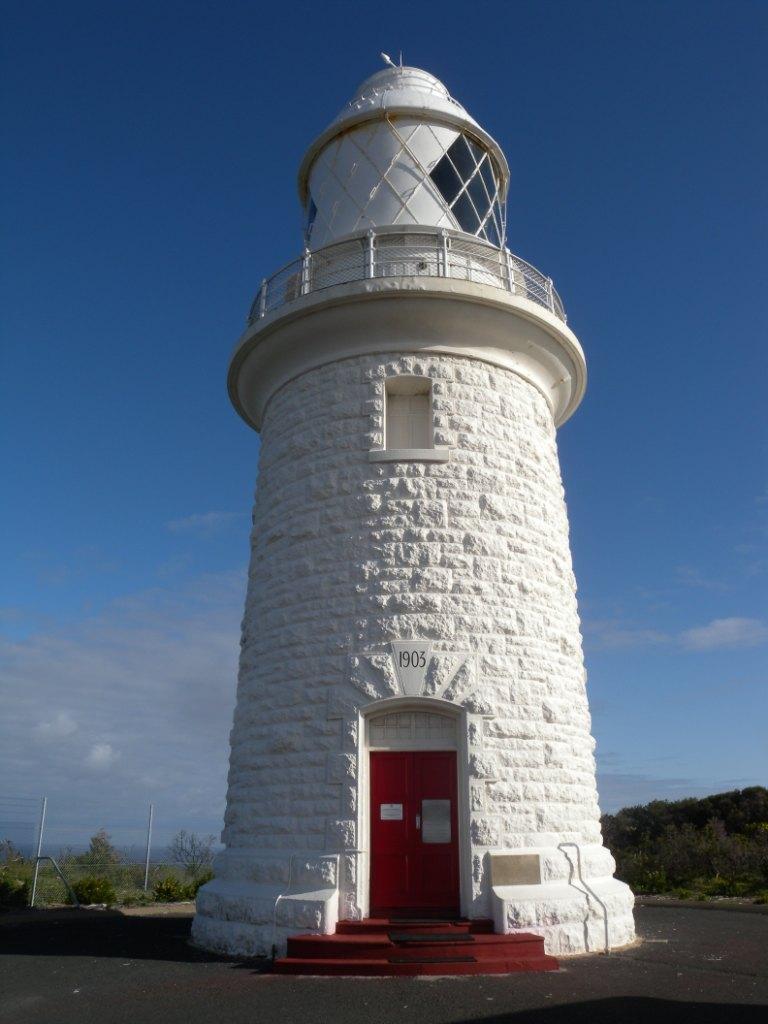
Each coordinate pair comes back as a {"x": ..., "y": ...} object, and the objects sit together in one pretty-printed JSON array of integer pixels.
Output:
[{"x": 102, "y": 875}]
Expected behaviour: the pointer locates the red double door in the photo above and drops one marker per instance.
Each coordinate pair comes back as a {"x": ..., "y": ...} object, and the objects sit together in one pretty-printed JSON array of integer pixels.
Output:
[{"x": 414, "y": 840}]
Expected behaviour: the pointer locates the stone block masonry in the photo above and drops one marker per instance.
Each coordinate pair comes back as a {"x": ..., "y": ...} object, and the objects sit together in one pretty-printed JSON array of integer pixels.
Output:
[{"x": 471, "y": 554}]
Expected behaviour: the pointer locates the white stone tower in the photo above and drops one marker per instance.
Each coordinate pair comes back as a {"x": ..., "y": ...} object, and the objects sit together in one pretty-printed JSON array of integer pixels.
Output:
[{"x": 412, "y": 733}]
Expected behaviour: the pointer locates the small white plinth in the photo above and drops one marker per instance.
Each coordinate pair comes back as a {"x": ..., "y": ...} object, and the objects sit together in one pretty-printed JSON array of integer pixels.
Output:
[
  {"x": 246, "y": 919},
  {"x": 568, "y": 919}
]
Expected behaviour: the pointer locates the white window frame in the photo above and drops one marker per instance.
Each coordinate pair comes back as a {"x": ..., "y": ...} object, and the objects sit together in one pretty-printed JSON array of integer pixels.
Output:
[{"x": 408, "y": 384}]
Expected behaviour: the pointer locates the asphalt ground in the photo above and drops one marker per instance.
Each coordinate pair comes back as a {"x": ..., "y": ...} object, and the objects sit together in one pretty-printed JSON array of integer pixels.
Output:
[{"x": 99, "y": 967}]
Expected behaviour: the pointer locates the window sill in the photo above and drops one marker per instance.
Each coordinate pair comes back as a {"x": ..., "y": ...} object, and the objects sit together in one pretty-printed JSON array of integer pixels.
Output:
[{"x": 409, "y": 455}]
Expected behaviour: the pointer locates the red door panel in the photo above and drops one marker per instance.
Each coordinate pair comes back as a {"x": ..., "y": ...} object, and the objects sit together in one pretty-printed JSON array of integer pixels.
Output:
[{"x": 414, "y": 832}]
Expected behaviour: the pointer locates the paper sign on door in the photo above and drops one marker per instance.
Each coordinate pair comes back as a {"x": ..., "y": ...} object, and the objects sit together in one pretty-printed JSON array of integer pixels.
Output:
[
  {"x": 391, "y": 812},
  {"x": 435, "y": 821}
]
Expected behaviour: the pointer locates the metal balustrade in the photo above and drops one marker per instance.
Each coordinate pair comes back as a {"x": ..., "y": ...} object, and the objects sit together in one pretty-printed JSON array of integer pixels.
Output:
[{"x": 418, "y": 252}]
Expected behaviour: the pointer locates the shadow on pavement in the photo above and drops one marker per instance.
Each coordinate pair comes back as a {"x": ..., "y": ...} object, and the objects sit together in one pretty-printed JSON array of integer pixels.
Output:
[
  {"x": 632, "y": 1010},
  {"x": 106, "y": 933}
]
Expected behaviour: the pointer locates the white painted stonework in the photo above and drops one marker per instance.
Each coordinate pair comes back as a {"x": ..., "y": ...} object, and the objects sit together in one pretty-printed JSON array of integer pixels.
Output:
[{"x": 468, "y": 557}]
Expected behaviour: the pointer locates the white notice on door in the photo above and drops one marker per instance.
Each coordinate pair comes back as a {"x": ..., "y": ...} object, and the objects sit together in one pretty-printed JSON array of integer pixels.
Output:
[
  {"x": 435, "y": 821},
  {"x": 391, "y": 812}
]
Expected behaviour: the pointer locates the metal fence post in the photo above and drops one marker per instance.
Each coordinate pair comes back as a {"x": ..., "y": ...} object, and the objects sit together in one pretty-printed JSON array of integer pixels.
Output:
[
  {"x": 550, "y": 295},
  {"x": 263, "y": 298},
  {"x": 149, "y": 846},
  {"x": 39, "y": 849}
]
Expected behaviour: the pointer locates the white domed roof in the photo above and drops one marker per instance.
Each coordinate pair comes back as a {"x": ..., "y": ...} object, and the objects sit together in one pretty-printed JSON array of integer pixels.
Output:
[
  {"x": 403, "y": 91},
  {"x": 401, "y": 88}
]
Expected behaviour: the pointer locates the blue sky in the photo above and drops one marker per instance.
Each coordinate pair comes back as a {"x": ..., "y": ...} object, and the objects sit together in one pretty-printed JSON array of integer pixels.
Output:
[{"x": 150, "y": 185}]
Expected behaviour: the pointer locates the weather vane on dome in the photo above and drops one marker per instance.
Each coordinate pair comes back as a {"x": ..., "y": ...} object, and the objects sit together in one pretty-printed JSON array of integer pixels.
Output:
[{"x": 388, "y": 60}]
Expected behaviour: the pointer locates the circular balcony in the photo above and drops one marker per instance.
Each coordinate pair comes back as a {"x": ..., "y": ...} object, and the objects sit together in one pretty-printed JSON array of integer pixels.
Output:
[{"x": 407, "y": 251}]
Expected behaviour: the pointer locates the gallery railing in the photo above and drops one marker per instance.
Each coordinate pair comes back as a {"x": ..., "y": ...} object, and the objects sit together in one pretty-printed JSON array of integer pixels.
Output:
[{"x": 406, "y": 252}]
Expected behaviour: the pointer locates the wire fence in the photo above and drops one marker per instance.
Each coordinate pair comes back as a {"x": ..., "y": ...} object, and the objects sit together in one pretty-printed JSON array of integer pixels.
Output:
[{"x": 36, "y": 851}]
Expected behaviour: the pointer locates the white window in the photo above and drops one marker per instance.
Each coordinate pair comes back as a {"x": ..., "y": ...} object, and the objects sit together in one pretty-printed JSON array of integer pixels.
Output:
[
  {"x": 412, "y": 729},
  {"x": 408, "y": 417}
]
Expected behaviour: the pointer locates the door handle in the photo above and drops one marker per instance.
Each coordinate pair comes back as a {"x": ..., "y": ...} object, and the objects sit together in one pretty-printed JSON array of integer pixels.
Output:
[{"x": 418, "y": 821}]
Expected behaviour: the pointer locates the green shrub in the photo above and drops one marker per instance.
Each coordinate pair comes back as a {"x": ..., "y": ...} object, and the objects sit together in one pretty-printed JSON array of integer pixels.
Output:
[
  {"x": 761, "y": 897},
  {"x": 651, "y": 882},
  {"x": 14, "y": 892},
  {"x": 137, "y": 899},
  {"x": 94, "y": 889},
  {"x": 682, "y": 894},
  {"x": 170, "y": 890},
  {"x": 719, "y": 886}
]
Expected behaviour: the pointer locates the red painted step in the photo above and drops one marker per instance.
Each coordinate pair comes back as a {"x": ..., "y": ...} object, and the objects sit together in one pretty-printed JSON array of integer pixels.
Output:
[
  {"x": 379, "y": 924},
  {"x": 374, "y": 947},
  {"x": 394, "y": 947}
]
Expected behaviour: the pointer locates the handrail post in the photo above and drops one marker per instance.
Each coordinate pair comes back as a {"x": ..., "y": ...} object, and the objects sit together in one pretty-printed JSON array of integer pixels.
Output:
[
  {"x": 306, "y": 268},
  {"x": 550, "y": 295},
  {"x": 510, "y": 274},
  {"x": 263, "y": 298},
  {"x": 370, "y": 254},
  {"x": 444, "y": 250}
]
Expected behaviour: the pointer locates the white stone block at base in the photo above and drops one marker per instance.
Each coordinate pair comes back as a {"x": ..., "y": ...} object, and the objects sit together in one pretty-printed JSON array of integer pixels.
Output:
[
  {"x": 242, "y": 918},
  {"x": 568, "y": 918}
]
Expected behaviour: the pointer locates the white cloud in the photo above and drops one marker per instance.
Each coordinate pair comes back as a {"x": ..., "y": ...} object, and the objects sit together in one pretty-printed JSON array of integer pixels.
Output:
[
  {"x": 57, "y": 728},
  {"x": 204, "y": 523},
  {"x": 733, "y": 632},
  {"x": 611, "y": 634},
  {"x": 691, "y": 576},
  {"x": 101, "y": 755},
  {"x": 150, "y": 684},
  {"x": 627, "y": 789}
]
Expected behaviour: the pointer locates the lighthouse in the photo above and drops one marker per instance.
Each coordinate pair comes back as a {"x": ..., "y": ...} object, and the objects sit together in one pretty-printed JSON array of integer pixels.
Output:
[{"x": 411, "y": 738}]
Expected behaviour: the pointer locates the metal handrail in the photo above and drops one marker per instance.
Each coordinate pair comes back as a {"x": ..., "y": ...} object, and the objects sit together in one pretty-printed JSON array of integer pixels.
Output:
[
  {"x": 408, "y": 251},
  {"x": 589, "y": 889}
]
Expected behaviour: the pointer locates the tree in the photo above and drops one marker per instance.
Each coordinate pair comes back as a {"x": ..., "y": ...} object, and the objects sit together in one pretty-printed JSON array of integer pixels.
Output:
[
  {"x": 100, "y": 850},
  {"x": 9, "y": 854},
  {"x": 717, "y": 844},
  {"x": 194, "y": 852}
]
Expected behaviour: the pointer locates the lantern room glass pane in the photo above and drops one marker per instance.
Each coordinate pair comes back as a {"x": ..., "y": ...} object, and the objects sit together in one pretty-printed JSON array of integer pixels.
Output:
[
  {"x": 464, "y": 212},
  {"x": 488, "y": 177},
  {"x": 462, "y": 158},
  {"x": 447, "y": 180},
  {"x": 311, "y": 214},
  {"x": 477, "y": 152},
  {"x": 490, "y": 232},
  {"x": 479, "y": 196},
  {"x": 466, "y": 180}
]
